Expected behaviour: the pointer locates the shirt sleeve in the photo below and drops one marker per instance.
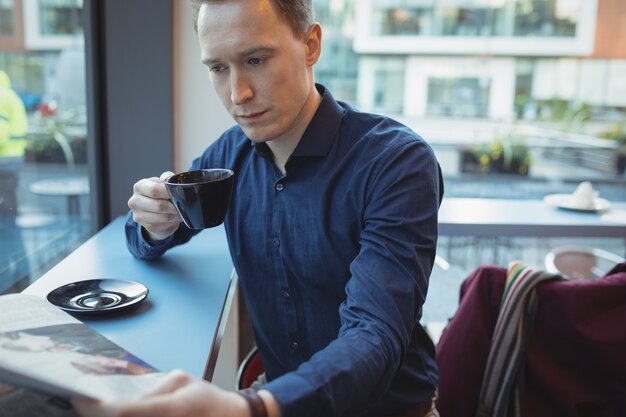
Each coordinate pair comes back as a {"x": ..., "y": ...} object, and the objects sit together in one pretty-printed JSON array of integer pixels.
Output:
[
  {"x": 142, "y": 248},
  {"x": 387, "y": 288}
]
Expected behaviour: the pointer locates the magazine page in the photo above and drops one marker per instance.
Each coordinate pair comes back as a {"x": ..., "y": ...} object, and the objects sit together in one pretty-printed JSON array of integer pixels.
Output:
[{"x": 45, "y": 349}]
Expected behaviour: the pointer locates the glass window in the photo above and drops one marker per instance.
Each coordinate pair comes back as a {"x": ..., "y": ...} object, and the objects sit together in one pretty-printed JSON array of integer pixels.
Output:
[
  {"x": 338, "y": 66},
  {"x": 460, "y": 21},
  {"x": 60, "y": 17},
  {"x": 389, "y": 90},
  {"x": 6, "y": 17},
  {"x": 458, "y": 97},
  {"x": 547, "y": 17},
  {"x": 402, "y": 21},
  {"x": 44, "y": 204},
  {"x": 428, "y": 18}
]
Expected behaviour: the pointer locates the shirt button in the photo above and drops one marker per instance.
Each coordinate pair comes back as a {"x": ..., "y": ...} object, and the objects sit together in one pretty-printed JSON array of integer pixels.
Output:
[
  {"x": 276, "y": 242},
  {"x": 279, "y": 187},
  {"x": 295, "y": 345},
  {"x": 285, "y": 293}
]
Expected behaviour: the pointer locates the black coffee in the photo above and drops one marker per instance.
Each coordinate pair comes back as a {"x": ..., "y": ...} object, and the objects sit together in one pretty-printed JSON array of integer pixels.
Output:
[{"x": 201, "y": 197}]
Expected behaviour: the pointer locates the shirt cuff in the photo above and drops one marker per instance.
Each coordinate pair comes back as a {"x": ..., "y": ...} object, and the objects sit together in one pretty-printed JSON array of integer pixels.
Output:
[{"x": 293, "y": 394}]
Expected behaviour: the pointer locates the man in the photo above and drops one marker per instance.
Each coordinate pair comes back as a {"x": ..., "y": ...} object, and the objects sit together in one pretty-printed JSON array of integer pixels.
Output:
[{"x": 332, "y": 227}]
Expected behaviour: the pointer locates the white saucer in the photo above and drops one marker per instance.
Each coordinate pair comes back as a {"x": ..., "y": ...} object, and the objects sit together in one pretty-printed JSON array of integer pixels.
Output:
[{"x": 565, "y": 201}]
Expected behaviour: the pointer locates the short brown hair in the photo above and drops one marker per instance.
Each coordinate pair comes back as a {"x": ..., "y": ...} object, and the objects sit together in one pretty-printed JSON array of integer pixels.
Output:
[{"x": 296, "y": 13}]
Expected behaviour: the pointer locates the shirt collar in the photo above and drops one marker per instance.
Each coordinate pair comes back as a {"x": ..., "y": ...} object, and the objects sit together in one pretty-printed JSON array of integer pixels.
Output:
[
  {"x": 323, "y": 128},
  {"x": 321, "y": 131}
]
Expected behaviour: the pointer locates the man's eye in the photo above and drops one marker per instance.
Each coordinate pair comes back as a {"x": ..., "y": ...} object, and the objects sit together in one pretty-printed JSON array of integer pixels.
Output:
[
  {"x": 255, "y": 61},
  {"x": 217, "y": 68}
]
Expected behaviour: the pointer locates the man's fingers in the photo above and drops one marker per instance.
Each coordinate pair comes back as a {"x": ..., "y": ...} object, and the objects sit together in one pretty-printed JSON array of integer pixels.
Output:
[
  {"x": 151, "y": 187},
  {"x": 166, "y": 175},
  {"x": 170, "y": 383},
  {"x": 150, "y": 205},
  {"x": 93, "y": 408}
]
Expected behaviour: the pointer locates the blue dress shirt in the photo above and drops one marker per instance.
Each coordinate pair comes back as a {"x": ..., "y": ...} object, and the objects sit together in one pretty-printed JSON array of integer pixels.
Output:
[{"x": 333, "y": 258}]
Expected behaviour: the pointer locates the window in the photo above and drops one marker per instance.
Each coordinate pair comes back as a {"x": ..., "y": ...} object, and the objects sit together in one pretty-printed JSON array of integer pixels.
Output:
[
  {"x": 402, "y": 21},
  {"x": 60, "y": 17},
  {"x": 6, "y": 18},
  {"x": 465, "y": 21},
  {"x": 44, "y": 207},
  {"x": 547, "y": 18},
  {"x": 389, "y": 91},
  {"x": 460, "y": 97}
]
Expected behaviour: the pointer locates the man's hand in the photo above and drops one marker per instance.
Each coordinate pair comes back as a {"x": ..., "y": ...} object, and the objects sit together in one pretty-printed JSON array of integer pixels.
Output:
[
  {"x": 152, "y": 207},
  {"x": 178, "y": 395}
]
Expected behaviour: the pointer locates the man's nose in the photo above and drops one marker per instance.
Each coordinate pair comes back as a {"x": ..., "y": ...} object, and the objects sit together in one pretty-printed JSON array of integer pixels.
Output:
[{"x": 240, "y": 88}]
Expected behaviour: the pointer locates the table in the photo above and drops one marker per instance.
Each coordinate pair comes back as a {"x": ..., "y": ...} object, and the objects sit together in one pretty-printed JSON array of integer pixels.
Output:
[
  {"x": 502, "y": 217},
  {"x": 180, "y": 324},
  {"x": 72, "y": 188},
  {"x": 523, "y": 218}
]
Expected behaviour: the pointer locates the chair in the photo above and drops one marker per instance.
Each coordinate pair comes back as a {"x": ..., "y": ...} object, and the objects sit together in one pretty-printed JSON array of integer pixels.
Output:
[
  {"x": 570, "y": 358},
  {"x": 578, "y": 262},
  {"x": 249, "y": 370}
]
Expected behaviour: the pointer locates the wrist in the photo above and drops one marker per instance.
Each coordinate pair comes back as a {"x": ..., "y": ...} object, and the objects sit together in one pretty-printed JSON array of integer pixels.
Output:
[
  {"x": 151, "y": 237},
  {"x": 272, "y": 406},
  {"x": 239, "y": 406},
  {"x": 256, "y": 406},
  {"x": 260, "y": 403}
]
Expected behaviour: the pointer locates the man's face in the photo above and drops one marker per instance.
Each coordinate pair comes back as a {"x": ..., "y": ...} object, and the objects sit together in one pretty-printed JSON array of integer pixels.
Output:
[{"x": 259, "y": 68}]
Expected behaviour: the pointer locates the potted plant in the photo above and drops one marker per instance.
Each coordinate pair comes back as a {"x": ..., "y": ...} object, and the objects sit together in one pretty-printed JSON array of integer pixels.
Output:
[
  {"x": 53, "y": 142},
  {"x": 503, "y": 155}
]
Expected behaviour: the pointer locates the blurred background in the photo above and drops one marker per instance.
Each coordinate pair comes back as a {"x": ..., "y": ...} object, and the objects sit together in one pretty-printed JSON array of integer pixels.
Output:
[{"x": 518, "y": 98}]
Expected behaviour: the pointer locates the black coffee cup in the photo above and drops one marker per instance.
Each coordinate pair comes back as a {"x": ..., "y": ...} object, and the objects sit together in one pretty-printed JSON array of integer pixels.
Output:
[{"x": 201, "y": 197}]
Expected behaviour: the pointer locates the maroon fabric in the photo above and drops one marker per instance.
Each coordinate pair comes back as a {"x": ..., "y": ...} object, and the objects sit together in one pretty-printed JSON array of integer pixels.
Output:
[{"x": 576, "y": 358}]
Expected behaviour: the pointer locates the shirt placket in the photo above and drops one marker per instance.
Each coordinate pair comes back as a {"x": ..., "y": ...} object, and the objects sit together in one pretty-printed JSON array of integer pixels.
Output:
[{"x": 284, "y": 289}]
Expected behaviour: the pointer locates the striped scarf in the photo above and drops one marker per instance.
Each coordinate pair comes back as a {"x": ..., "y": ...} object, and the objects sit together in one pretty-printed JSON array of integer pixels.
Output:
[{"x": 501, "y": 386}]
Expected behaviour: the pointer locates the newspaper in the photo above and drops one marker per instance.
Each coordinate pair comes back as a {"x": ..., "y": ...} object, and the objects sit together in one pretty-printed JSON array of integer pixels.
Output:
[{"x": 42, "y": 348}]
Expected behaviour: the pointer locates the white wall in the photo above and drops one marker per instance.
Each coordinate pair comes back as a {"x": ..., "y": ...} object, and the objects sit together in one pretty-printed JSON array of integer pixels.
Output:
[{"x": 199, "y": 116}]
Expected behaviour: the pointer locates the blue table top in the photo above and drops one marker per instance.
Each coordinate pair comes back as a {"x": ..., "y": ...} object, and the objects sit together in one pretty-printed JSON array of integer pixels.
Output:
[{"x": 176, "y": 326}]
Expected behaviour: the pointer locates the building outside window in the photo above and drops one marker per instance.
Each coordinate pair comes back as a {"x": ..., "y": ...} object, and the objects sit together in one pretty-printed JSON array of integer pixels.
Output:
[
  {"x": 542, "y": 18},
  {"x": 547, "y": 18},
  {"x": 60, "y": 17},
  {"x": 402, "y": 21},
  {"x": 484, "y": 60},
  {"x": 382, "y": 80},
  {"x": 458, "y": 97},
  {"x": 388, "y": 84},
  {"x": 6, "y": 18},
  {"x": 464, "y": 21},
  {"x": 338, "y": 66},
  {"x": 44, "y": 191}
]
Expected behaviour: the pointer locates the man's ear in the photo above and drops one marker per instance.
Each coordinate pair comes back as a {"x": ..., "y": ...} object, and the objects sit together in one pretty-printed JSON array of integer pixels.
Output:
[{"x": 313, "y": 41}]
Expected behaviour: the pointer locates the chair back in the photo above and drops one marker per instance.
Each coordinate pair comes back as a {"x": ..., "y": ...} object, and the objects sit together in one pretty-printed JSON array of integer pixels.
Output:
[
  {"x": 573, "y": 361},
  {"x": 250, "y": 369}
]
